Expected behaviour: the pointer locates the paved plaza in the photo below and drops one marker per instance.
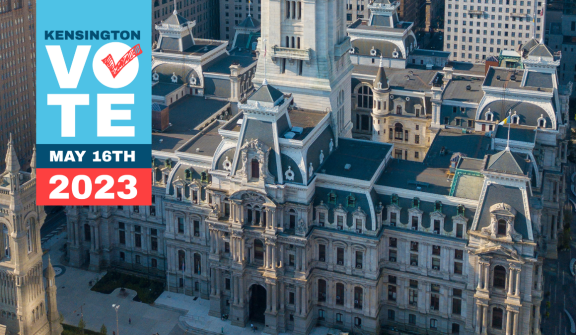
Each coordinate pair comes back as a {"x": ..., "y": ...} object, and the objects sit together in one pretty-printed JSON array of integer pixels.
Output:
[{"x": 76, "y": 299}]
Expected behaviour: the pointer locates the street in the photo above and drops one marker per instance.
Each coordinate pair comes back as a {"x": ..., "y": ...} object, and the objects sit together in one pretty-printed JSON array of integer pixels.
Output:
[{"x": 559, "y": 284}]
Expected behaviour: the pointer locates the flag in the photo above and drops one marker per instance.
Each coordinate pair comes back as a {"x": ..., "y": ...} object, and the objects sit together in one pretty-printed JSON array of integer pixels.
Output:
[{"x": 505, "y": 121}]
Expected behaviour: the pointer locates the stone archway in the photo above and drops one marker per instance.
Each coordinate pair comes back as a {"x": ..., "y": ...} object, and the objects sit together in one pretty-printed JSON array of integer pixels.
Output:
[{"x": 257, "y": 303}]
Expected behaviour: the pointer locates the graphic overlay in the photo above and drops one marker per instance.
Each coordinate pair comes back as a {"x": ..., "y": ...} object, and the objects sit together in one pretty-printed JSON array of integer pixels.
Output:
[{"x": 93, "y": 102}]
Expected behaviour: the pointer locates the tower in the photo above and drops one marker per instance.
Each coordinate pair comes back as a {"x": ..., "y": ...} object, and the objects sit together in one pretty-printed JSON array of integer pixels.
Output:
[
  {"x": 23, "y": 297},
  {"x": 380, "y": 107},
  {"x": 304, "y": 50},
  {"x": 53, "y": 315}
]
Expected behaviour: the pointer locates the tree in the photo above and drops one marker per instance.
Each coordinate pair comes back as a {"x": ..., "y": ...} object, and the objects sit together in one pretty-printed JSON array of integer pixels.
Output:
[
  {"x": 81, "y": 325},
  {"x": 103, "y": 330}
]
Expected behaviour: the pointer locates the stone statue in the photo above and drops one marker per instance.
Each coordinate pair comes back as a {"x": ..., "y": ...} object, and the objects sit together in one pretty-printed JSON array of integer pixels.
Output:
[
  {"x": 262, "y": 168},
  {"x": 310, "y": 170},
  {"x": 331, "y": 145},
  {"x": 301, "y": 229},
  {"x": 321, "y": 156}
]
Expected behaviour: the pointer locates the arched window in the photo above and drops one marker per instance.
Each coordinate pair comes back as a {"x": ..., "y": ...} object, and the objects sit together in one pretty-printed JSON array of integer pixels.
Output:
[
  {"x": 365, "y": 97},
  {"x": 489, "y": 116},
  {"x": 499, "y": 277},
  {"x": 501, "y": 227},
  {"x": 197, "y": 264},
  {"x": 321, "y": 290},
  {"x": 6, "y": 241},
  {"x": 358, "y": 297},
  {"x": 29, "y": 236},
  {"x": 541, "y": 123},
  {"x": 255, "y": 169},
  {"x": 258, "y": 250},
  {"x": 399, "y": 109},
  {"x": 399, "y": 131},
  {"x": 181, "y": 260},
  {"x": 497, "y": 316},
  {"x": 339, "y": 294},
  {"x": 515, "y": 119}
]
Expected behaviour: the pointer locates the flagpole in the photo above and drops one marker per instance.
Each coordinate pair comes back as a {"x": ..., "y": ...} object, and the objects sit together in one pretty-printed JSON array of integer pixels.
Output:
[
  {"x": 265, "y": 82},
  {"x": 509, "y": 121}
]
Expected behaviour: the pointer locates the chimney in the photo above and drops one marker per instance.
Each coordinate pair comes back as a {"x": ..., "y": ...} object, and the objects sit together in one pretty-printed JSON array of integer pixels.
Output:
[{"x": 160, "y": 117}]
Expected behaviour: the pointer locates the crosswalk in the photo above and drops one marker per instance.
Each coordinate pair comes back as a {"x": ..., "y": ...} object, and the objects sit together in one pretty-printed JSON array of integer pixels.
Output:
[{"x": 56, "y": 231}]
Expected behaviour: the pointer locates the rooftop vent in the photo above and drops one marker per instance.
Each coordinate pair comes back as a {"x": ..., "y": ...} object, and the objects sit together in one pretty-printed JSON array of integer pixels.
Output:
[
  {"x": 347, "y": 167},
  {"x": 239, "y": 122},
  {"x": 513, "y": 77},
  {"x": 197, "y": 149},
  {"x": 468, "y": 87},
  {"x": 161, "y": 140},
  {"x": 498, "y": 77},
  {"x": 297, "y": 130},
  {"x": 407, "y": 77},
  {"x": 289, "y": 135}
]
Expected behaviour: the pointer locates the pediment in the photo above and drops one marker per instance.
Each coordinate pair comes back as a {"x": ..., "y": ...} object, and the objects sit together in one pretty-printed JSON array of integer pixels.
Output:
[{"x": 498, "y": 250}]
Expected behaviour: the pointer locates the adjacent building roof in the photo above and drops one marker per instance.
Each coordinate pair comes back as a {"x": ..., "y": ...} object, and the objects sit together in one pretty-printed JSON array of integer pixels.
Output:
[
  {"x": 267, "y": 93},
  {"x": 355, "y": 159},
  {"x": 510, "y": 195},
  {"x": 506, "y": 162}
]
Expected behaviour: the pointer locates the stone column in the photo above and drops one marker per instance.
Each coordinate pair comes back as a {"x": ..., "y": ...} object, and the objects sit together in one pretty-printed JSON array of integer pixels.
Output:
[
  {"x": 218, "y": 282},
  {"x": 478, "y": 318},
  {"x": 282, "y": 295},
  {"x": 511, "y": 282},
  {"x": 273, "y": 247},
  {"x": 480, "y": 271},
  {"x": 303, "y": 259},
  {"x": 537, "y": 320},
  {"x": 484, "y": 319},
  {"x": 508, "y": 323},
  {"x": 517, "y": 282},
  {"x": 242, "y": 250},
  {"x": 298, "y": 296},
  {"x": 304, "y": 302},
  {"x": 213, "y": 282},
  {"x": 274, "y": 298},
  {"x": 297, "y": 259},
  {"x": 516, "y": 316},
  {"x": 486, "y": 276},
  {"x": 539, "y": 278},
  {"x": 281, "y": 263},
  {"x": 268, "y": 297}
]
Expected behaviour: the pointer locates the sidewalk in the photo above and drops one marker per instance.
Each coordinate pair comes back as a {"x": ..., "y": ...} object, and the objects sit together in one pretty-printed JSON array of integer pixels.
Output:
[{"x": 76, "y": 299}]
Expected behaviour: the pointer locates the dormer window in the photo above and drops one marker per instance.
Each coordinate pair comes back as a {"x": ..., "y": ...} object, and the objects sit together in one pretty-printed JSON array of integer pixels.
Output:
[
  {"x": 461, "y": 210},
  {"x": 332, "y": 198},
  {"x": 204, "y": 176},
  {"x": 541, "y": 121},
  {"x": 501, "y": 227},
  {"x": 395, "y": 199},
  {"x": 168, "y": 163},
  {"x": 515, "y": 119},
  {"x": 438, "y": 206},
  {"x": 351, "y": 200},
  {"x": 416, "y": 203},
  {"x": 188, "y": 174}
]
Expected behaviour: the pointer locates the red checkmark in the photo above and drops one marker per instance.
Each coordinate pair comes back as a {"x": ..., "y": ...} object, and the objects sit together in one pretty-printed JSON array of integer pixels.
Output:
[{"x": 115, "y": 68}]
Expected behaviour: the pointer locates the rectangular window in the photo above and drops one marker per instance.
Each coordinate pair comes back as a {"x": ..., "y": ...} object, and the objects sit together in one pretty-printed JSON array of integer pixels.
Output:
[
  {"x": 154, "y": 243},
  {"x": 181, "y": 225},
  {"x": 291, "y": 298},
  {"x": 322, "y": 252},
  {"x": 391, "y": 292},
  {"x": 196, "y": 228},
  {"x": 359, "y": 259},
  {"x": 414, "y": 259},
  {"x": 122, "y": 237},
  {"x": 340, "y": 256},
  {"x": 393, "y": 242},
  {"x": 417, "y": 139},
  {"x": 392, "y": 254}
]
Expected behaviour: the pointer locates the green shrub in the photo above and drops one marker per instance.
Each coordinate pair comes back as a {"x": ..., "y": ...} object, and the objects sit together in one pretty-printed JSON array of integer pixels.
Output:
[{"x": 147, "y": 290}]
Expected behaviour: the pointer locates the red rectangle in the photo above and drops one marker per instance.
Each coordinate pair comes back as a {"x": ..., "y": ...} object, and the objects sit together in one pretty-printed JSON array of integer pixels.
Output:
[{"x": 106, "y": 187}]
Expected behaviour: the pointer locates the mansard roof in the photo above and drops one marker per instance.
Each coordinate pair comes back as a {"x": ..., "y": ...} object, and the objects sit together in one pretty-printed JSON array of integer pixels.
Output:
[
  {"x": 510, "y": 195},
  {"x": 175, "y": 20},
  {"x": 249, "y": 22},
  {"x": 528, "y": 112}
]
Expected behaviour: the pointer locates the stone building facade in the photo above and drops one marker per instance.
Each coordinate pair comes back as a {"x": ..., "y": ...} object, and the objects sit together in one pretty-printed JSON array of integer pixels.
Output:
[
  {"x": 279, "y": 218},
  {"x": 24, "y": 305}
]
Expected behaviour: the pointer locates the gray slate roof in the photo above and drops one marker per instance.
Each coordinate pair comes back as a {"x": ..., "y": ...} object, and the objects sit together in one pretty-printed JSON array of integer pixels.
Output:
[
  {"x": 505, "y": 162},
  {"x": 267, "y": 93},
  {"x": 504, "y": 194},
  {"x": 364, "y": 158},
  {"x": 529, "y": 113}
]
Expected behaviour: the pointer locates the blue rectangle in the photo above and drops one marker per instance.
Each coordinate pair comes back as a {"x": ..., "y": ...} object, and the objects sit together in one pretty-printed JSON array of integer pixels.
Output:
[
  {"x": 55, "y": 156},
  {"x": 73, "y": 24}
]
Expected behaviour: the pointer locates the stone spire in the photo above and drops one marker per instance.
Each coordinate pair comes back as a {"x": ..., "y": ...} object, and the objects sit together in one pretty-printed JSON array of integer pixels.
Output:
[
  {"x": 381, "y": 82},
  {"x": 12, "y": 164},
  {"x": 53, "y": 315},
  {"x": 33, "y": 163}
]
